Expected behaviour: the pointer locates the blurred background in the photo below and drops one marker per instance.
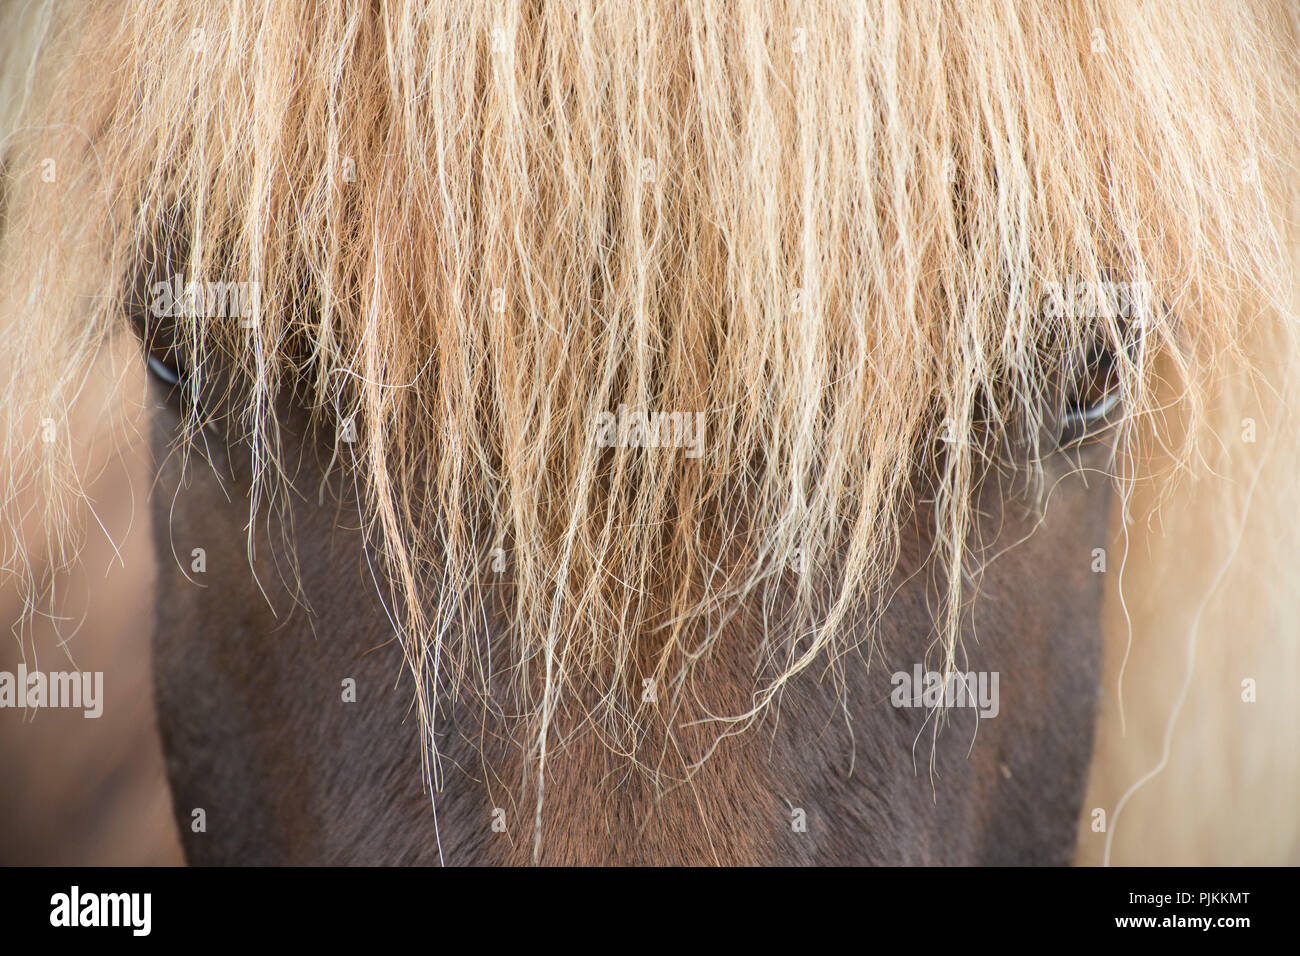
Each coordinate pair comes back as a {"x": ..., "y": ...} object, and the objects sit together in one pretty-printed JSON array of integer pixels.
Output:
[{"x": 75, "y": 790}]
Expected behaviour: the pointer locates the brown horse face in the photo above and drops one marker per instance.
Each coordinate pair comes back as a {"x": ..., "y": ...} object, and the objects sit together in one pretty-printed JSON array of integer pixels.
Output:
[{"x": 289, "y": 724}]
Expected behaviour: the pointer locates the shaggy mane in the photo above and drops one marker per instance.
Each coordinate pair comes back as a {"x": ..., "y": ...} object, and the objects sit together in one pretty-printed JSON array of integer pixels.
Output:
[{"x": 476, "y": 228}]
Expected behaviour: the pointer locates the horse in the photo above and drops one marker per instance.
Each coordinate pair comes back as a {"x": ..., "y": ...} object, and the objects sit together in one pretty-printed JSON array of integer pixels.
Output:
[{"x": 679, "y": 434}]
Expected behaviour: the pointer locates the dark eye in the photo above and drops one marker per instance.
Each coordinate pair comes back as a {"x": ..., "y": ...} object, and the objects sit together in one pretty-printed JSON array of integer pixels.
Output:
[
  {"x": 1093, "y": 397},
  {"x": 164, "y": 372},
  {"x": 160, "y": 359}
]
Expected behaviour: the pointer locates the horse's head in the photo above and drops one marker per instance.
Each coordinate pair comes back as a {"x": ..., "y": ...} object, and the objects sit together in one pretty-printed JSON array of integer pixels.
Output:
[{"x": 726, "y": 423}]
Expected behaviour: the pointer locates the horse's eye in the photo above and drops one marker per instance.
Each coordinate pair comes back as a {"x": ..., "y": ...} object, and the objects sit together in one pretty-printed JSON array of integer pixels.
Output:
[
  {"x": 169, "y": 376},
  {"x": 1093, "y": 398},
  {"x": 160, "y": 359}
]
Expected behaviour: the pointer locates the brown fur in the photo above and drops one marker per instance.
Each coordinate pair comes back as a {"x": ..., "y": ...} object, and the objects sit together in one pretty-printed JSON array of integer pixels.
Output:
[{"x": 256, "y": 734}]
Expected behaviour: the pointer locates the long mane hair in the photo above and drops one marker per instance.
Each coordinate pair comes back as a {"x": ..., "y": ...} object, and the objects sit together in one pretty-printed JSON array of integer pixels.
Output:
[{"x": 826, "y": 228}]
